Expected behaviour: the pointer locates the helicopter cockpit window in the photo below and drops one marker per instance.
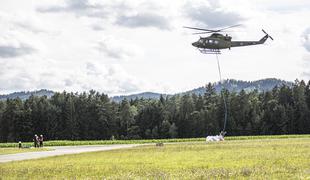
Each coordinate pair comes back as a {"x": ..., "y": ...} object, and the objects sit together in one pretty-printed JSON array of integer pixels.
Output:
[{"x": 200, "y": 41}]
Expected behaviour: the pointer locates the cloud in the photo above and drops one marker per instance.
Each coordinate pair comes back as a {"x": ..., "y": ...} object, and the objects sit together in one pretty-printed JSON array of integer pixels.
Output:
[
  {"x": 211, "y": 15},
  {"x": 91, "y": 69},
  {"x": 13, "y": 44},
  {"x": 143, "y": 20},
  {"x": 97, "y": 27},
  {"x": 7, "y": 51},
  {"x": 123, "y": 82},
  {"x": 288, "y": 6},
  {"x": 19, "y": 35},
  {"x": 306, "y": 66},
  {"x": 111, "y": 79},
  {"x": 306, "y": 75},
  {"x": 306, "y": 58},
  {"x": 306, "y": 39},
  {"x": 117, "y": 48},
  {"x": 19, "y": 21},
  {"x": 122, "y": 14},
  {"x": 27, "y": 25},
  {"x": 35, "y": 72},
  {"x": 78, "y": 7},
  {"x": 94, "y": 35}
]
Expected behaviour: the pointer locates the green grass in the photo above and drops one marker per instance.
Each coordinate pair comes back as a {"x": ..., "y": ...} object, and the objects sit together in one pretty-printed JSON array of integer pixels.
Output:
[
  {"x": 108, "y": 142},
  {"x": 17, "y": 150},
  {"x": 278, "y": 158}
]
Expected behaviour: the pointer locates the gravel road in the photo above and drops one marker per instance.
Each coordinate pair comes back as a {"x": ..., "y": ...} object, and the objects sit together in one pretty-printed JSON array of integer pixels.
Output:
[{"x": 61, "y": 150}]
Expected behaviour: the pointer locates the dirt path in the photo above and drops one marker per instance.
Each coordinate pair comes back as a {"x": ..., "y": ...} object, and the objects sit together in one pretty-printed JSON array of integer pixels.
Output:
[{"x": 61, "y": 150}]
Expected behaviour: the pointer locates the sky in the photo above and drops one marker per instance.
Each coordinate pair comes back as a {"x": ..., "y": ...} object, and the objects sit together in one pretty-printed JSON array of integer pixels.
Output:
[{"x": 124, "y": 47}]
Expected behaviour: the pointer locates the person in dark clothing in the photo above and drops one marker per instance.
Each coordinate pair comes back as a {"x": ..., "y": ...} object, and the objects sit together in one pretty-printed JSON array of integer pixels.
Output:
[
  {"x": 41, "y": 140},
  {"x": 35, "y": 141}
]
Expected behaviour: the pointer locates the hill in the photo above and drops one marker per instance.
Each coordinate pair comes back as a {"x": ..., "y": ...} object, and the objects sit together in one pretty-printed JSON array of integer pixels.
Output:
[
  {"x": 145, "y": 95},
  {"x": 230, "y": 84},
  {"x": 237, "y": 85},
  {"x": 26, "y": 94}
]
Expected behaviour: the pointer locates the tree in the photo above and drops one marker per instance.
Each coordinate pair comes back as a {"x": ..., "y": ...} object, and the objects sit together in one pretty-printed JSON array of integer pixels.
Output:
[
  {"x": 185, "y": 122},
  {"x": 91, "y": 115},
  {"x": 165, "y": 129},
  {"x": 2, "y": 121},
  {"x": 127, "y": 114},
  {"x": 301, "y": 111},
  {"x": 210, "y": 95},
  {"x": 199, "y": 103},
  {"x": 307, "y": 94},
  {"x": 12, "y": 123},
  {"x": 173, "y": 131}
]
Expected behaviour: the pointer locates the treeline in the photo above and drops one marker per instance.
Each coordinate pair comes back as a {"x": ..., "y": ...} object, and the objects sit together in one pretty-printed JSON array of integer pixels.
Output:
[{"x": 90, "y": 116}]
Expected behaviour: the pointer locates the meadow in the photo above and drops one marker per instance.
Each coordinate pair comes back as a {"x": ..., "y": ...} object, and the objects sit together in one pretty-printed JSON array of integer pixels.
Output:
[
  {"x": 265, "y": 158},
  {"x": 145, "y": 141}
]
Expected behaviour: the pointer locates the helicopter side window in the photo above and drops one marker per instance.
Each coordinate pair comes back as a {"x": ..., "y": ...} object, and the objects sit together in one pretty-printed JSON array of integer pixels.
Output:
[
  {"x": 210, "y": 41},
  {"x": 216, "y": 42}
]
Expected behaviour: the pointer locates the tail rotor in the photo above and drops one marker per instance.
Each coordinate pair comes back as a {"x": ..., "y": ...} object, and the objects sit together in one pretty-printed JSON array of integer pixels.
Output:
[{"x": 267, "y": 34}]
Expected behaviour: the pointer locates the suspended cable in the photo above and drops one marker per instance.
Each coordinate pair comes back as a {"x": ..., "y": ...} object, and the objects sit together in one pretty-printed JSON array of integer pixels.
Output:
[{"x": 222, "y": 93}]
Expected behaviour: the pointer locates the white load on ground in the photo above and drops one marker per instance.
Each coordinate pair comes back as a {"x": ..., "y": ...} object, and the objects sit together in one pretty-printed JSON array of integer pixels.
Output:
[{"x": 216, "y": 138}]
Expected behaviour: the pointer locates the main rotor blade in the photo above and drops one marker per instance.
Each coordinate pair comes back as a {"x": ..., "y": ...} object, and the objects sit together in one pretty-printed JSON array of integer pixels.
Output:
[
  {"x": 230, "y": 27},
  {"x": 203, "y": 33},
  {"x": 200, "y": 29}
]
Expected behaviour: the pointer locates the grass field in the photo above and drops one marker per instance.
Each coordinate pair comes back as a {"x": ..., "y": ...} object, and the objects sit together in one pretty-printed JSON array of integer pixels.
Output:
[
  {"x": 284, "y": 158},
  {"x": 17, "y": 150},
  {"x": 108, "y": 142}
]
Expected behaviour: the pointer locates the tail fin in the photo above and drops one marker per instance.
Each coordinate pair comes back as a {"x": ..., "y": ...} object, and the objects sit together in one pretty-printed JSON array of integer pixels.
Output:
[{"x": 262, "y": 41}]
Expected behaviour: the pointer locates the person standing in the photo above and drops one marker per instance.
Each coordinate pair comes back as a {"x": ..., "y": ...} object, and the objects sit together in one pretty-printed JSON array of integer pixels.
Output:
[
  {"x": 41, "y": 140},
  {"x": 35, "y": 141}
]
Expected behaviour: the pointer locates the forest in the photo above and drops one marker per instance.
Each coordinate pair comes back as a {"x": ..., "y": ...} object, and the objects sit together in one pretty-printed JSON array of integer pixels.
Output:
[{"x": 94, "y": 116}]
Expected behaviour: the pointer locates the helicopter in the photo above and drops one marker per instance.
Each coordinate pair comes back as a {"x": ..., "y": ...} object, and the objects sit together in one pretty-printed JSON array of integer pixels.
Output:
[{"x": 216, "y": 41}]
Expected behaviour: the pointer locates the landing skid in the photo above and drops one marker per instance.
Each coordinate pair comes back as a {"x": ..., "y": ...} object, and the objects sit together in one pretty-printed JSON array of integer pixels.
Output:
[{"x": 209, "y": 51}]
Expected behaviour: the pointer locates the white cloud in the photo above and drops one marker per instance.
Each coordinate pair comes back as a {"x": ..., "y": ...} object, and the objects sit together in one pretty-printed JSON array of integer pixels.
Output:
[
  {"x": 14, "y": 51},
  {"x": 78, "y": 7},
  {"x": 117, "y": 48},
  {"x": 120, "y": 47},
  {"x": 124, "y": 14},
  {"x": 36, "y": 73},
  {"x": 144, "y": 20},
  {"x": 210, "y": 14},
  {"x": 306, "y": 39}
]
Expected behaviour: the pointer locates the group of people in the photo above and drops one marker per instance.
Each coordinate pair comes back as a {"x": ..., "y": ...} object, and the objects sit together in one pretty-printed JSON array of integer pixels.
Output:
[{"x": 38, "y": 141}]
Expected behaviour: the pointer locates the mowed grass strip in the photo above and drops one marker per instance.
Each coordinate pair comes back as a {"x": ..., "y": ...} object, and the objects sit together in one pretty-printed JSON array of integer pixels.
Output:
[
  {"x": 23, "y": 150},
  {"x": 235, "y": 159},
  {"x": 144, "y": 141}
]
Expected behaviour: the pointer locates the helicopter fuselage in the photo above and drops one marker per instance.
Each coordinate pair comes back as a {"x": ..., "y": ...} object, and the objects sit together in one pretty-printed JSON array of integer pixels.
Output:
[
  {"x": 218, "y": 41},
  {"x": 212, "y": 43}
]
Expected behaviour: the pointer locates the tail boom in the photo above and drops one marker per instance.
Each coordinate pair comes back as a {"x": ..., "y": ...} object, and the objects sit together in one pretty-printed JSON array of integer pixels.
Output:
[
  {"x": 246, "y": 43},
  {"x": 249, "y": 43}
]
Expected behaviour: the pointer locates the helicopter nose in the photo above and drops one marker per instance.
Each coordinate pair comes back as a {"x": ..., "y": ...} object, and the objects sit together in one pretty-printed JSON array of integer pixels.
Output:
[{"x": 195, "y": 44}]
